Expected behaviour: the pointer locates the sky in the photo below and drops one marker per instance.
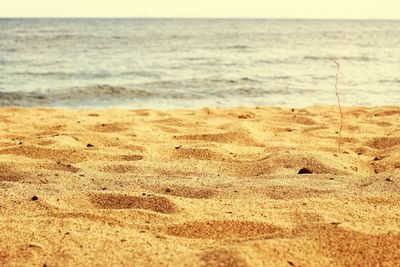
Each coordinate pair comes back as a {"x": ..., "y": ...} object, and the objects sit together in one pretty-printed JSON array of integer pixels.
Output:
[{"x": 347, "y": 9}]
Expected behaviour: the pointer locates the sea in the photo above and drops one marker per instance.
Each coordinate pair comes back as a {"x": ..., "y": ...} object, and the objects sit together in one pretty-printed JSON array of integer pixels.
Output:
[{"x": 193, "y": 63}]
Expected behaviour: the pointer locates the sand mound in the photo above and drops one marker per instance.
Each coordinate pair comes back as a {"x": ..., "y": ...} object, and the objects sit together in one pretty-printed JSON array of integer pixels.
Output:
[
  {"x": 352, "y": 248},
  {"x": 291, "y": 192},
  {"x": 11, "y": 172},
  {"x": 301, "y": 120},
  {"x": 64, "y": 155},
  {"x": 185, "y": 191},
  {"x": 131, "y": 157},
  {"x": 108, "y": 127},
  {"x": 384, "y": 142},
  {"x": 118, "y": 168},
  {"x": 58, "y": 166},
  {"x": 174, "y": 122},
  {"x": 222, "y": 257},
  {"x": 200, "y": 154},
  {"x": 223, "y": 230},
  {"x": 119, "y": 201},
  {"x": 389, "y": 112},
  {"x": 230, "y": 137}
]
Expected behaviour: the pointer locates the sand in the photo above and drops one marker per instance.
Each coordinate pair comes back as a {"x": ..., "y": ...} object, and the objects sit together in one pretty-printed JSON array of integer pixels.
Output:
[{"x": 208, "y": 187}]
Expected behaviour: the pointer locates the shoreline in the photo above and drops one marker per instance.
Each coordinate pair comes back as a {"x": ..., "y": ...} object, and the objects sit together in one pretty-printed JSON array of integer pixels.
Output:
[
  {"x": 247, "y": 107},
  {"x": 234, "y": 186}
]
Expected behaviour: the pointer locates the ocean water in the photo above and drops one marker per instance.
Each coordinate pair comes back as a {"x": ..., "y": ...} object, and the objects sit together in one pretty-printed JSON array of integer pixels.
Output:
[{"x": 175, "y": 63}]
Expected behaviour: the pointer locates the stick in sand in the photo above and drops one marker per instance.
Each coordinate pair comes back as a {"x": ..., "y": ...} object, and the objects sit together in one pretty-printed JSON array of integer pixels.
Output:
[{"x": 338, "y": 100}]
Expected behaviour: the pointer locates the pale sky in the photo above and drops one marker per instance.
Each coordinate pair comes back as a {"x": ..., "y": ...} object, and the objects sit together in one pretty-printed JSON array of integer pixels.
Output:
[{"x": 352, "y": 9}]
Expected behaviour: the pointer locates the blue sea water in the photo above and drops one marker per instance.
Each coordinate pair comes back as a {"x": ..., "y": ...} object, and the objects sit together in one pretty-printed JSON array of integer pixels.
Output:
[{"x": 174, "y": 63}]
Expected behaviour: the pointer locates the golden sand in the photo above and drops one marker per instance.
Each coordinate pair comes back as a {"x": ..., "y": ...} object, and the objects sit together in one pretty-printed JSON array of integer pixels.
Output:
[{"x": 209, "y": 187}]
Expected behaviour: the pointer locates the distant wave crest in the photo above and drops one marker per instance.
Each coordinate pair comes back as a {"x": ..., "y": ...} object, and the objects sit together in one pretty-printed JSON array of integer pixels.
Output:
[
  {"x": 348, "y": 58},
  {"x": 390, "y": 81},
  {"x": 71, "y": 95}
]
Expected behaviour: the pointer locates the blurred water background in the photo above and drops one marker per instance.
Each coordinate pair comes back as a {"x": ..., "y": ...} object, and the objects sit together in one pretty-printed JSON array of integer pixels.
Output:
[{"x": 179, "y": 63}]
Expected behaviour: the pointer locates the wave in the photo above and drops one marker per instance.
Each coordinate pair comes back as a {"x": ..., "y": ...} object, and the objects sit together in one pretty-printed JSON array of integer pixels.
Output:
[
  {"x": 84, "y": 75},
  {"x": 237, "y": 47},
  {"x": 21, "y": 99},
  {"x": 38, "y": 36},
  {"x": 265, "y": 61},
  {"x": 201, "y": 84},
  {"x": 247, "y": 91},
  {"x": 283, "y": 77},
  {"x": 72, "y": 95},
  {"x": 390, "y": 81},
  {"x": 347, "y": 58},
  {"x": 109, "y": 94},
  {"x": 45, "y": 73},
  {"x": 141, "y": 73},
  {"x": 240, "y": 80},
  {"x": 10, "y": 50},
  {"x": 63, "y": 75},
  {"x": 277, "y": 61},
  {"x": 98, "y": 91},
  {"x": 196, "y": 58}
]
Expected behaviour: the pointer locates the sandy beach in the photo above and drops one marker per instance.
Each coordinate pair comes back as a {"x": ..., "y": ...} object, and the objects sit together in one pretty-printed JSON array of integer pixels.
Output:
[{"x": 209, "y": 187}]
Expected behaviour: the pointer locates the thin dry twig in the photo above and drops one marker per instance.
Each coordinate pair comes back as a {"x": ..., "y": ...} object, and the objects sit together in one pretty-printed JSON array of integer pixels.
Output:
[{"x": 338, "y": 100}]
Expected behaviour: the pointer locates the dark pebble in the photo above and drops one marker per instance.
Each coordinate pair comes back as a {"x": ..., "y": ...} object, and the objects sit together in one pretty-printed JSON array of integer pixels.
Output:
[
  {"x": 304, "y": 171},
  {"x": 388, "y": 180},
  {"x": 89, "y": 145},
  {"x": 177, "y": 147},
  {"x": 167, "y": 190},
  {"x": 34, "y": 198}
]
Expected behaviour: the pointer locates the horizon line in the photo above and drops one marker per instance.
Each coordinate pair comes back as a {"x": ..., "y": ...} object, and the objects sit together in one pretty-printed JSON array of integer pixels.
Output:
[{"x": 188, "y": 18}]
